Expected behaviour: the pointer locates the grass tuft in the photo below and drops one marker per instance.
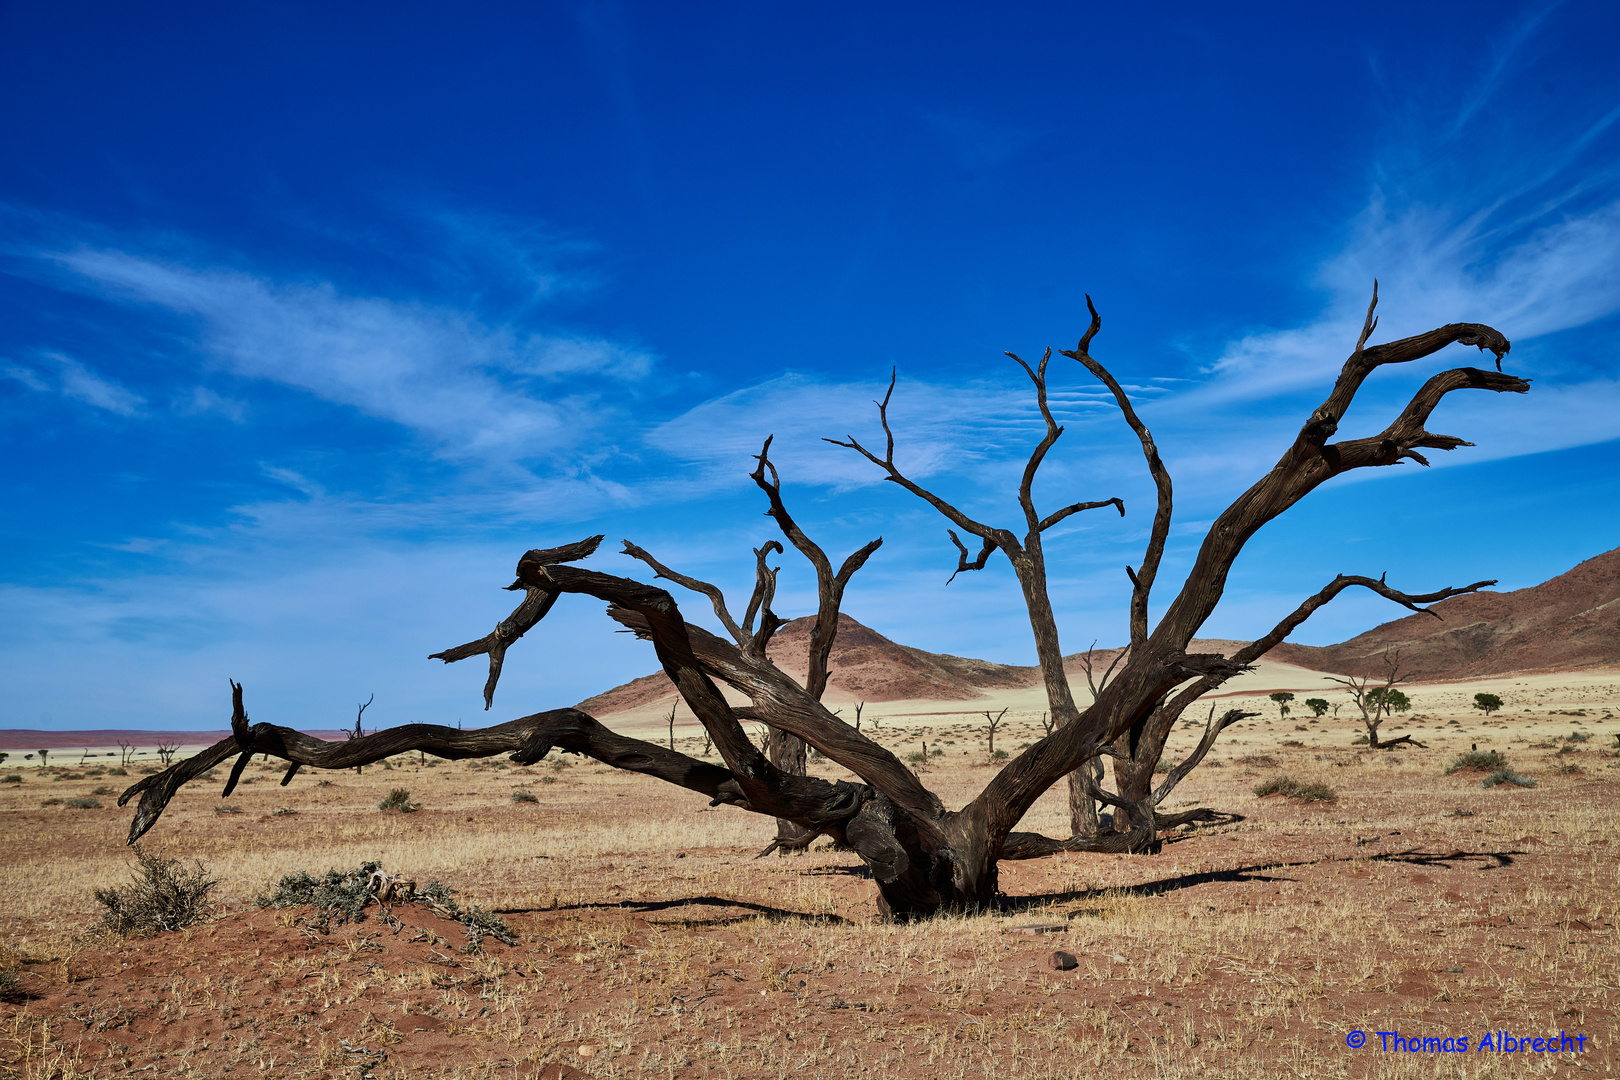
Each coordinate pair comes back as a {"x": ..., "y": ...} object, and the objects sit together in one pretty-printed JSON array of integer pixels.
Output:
[
  {"x": 1290, "y": 788},
  {"x": 399, "y": 799},
  {"x": 521, "y": 796},
  {"x": 1507, "y": 776},
  {"x": 1477, "y": 761},
  {"x": 84, "y": 804}
]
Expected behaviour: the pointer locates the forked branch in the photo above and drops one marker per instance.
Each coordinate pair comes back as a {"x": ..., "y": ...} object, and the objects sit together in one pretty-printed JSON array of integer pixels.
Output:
[{"x": 1141, "y": 580}]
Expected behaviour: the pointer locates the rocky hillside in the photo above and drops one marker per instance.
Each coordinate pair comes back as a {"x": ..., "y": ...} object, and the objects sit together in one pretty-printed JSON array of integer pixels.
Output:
[{"x": 1572, "y": 621}]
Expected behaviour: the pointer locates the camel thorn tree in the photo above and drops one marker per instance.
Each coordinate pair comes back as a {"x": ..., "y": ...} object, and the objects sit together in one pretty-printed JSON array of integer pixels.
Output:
[{"x": 922, "y": 856}]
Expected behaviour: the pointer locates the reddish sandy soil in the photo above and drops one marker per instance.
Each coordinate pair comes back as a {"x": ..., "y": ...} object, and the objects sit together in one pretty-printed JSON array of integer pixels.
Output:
[{"x": 1416, "y": 902}]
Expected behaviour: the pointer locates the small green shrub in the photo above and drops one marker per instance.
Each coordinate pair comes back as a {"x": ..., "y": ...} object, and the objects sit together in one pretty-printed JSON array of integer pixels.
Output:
[
  {"x": 84, "y": 804},
  {"x": 524, "y": 797},
  {"x": 50, "y": 802},
  {"x": 162, "y": 895},
  {"x": 105, "y": 789},
  {"x": 1507, "y": 776},
  {"x": 1577, "y": 736},
  {"x": 1289, "y": 788},
  {"x": 1477, "y": 761},
  {"x": 227, "y": 808},
  {"x": 11, "y": 778},
  {"x": 399, "y": 799}
]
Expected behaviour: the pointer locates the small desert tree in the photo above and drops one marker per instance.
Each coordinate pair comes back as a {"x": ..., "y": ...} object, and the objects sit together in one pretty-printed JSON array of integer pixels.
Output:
[
  {"x": 44, "y": 755},
  {"x": 1282, "y": 698},
  {"x": 1317, "y": 705},
  {"x": 1487, "y": 703},
  {"x": 1376, "y": 700},
  {"x": 923, "y": 856}
]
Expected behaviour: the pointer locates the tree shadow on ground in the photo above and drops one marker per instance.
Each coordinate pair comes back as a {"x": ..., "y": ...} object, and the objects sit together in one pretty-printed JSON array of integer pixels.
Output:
[
  {"x": 1491, "y": 860},
  {"x": 652, "y": 907}
]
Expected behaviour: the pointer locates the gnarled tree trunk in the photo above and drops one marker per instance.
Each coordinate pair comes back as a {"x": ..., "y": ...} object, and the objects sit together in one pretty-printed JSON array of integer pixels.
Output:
[{"x": 923, "y": 857}]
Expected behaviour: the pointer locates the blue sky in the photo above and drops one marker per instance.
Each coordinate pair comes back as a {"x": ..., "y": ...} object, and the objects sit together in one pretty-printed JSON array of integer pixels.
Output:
[{"x": 314, "y": 317}]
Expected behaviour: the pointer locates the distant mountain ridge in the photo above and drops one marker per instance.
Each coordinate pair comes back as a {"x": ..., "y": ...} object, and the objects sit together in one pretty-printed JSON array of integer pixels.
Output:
[{"x": 1569, "y": 622}]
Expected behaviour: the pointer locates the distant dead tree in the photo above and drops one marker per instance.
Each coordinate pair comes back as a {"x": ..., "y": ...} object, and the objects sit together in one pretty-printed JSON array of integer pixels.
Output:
[
  {"x": 126, "y": 751},
  {"x": 1375, "y": 699},
  {"x": 991, "y": 724},
  {"x": 359, "y": 732},
  {"x": 672, "y": 726},
  {"x": 922, "y": 856},
  {"x": 165, "y": 752}
]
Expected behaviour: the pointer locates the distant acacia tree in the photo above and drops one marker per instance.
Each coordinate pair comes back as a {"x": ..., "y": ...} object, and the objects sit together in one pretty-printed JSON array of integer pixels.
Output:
[
  {"x": 1488, "y": 703},
  {"x": 1389, "y": 699},
  {"x": 1282, "y": 698},
  {"x": 1317, "y": 705},
  {"x": 923, "y": 856}
]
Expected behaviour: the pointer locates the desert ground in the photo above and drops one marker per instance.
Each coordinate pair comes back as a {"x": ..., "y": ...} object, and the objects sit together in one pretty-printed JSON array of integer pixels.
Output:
[{"x": 650, "y": 942}]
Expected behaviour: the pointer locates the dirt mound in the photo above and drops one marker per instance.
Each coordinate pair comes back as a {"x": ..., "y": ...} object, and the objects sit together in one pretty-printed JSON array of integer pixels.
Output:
[{"x": 1572, "y": 621}]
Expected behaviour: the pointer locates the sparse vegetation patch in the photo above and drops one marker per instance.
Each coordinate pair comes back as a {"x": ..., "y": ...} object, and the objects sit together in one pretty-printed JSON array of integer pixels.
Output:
[{"x": 341, "y": 896}]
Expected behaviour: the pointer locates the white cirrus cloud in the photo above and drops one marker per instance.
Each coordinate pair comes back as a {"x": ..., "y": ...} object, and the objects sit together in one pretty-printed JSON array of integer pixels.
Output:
[
  {"x": 73, "y": 379},
  {"x": 468, "y": 388}
]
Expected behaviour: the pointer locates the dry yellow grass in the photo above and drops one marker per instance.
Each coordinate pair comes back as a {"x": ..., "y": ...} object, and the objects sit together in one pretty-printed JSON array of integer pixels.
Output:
[{"x": 653, "y": 945}]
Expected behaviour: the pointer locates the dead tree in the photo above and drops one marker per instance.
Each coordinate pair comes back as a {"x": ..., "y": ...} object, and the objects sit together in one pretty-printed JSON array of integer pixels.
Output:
[
  {"x": 1373, "y": 699},
  {"x": 126, "y": 750},
  {"x": 165, "y": 752},
  {"x": 922, "y": 856},
  {"x": 991, "y": 724}
]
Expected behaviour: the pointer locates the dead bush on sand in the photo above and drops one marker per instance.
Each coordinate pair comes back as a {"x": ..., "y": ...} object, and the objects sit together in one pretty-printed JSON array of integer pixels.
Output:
[{"x": 162, "y": 895}]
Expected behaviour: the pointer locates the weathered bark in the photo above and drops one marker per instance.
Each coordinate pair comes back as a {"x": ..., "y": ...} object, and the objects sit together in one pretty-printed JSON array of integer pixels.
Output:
[{"x": 922, "y": 856}]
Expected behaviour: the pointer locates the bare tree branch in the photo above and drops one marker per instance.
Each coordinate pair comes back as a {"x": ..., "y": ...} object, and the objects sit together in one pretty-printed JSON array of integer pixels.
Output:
[
  {"x": 760, "y": 603},
  {"x": 716, "y": 597},
  {"x": 1001, "y": 537},
  {"x": 1212, "y": 730},
  {"x": 1141, "y": 580},
  {"x": 536, "y": 603}
]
